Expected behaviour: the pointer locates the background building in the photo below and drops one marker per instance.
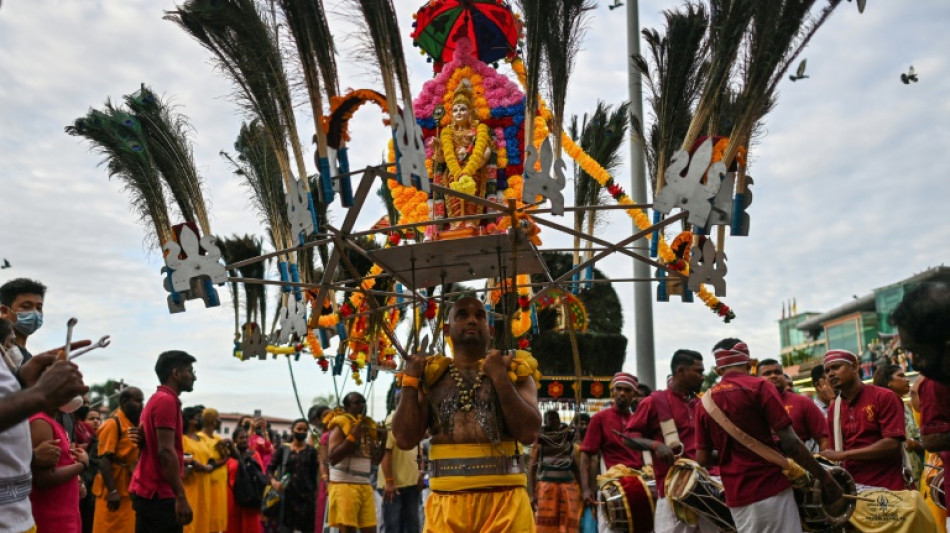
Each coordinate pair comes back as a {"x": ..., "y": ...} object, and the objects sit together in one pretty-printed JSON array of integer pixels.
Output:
[{"x": 861, "y": 325}]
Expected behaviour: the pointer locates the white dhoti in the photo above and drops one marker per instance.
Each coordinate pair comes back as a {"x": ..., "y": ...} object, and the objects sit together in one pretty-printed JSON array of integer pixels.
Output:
[
  {"x": 778, "y": 514},
  {"x": 665, "y": 521}
]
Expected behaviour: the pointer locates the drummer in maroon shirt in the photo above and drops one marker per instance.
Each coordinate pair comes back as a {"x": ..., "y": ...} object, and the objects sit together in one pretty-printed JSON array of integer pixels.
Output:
[
  {"x": 872, "y": 425},
  {"x": 808, "y": 420},
  {"x": 757, "y": 492},
  {"x": 676, "y": 403},
  {"x": 601, "y": 437}
]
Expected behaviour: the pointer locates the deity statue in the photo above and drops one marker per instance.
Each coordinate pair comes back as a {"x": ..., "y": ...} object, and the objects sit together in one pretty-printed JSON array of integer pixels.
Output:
[{"x": 463, "y": 160}]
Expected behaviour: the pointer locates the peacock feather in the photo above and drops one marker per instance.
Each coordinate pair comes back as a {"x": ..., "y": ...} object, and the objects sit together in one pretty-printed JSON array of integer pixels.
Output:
[
  {"x": 119, "y": 137},
  {"x": 171, "y": 152}
]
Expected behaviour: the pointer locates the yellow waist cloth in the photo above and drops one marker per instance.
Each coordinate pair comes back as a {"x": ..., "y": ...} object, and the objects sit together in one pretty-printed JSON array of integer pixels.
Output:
[{"x": 469, "y": 451}]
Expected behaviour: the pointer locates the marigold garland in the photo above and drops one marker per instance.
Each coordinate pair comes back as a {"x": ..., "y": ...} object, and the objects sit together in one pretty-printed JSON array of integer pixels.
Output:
[
  {"x": 475, "y": 160},
  {"x": 412, "y": 203},
  {"x": 640, "y": 218},
  {"x": 363, "y": 95}
]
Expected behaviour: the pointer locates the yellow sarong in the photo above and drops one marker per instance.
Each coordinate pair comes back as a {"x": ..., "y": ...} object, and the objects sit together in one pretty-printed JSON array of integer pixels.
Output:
[
  {"x": 450, "y": 509},
  {"x": 892, "y": 511}
]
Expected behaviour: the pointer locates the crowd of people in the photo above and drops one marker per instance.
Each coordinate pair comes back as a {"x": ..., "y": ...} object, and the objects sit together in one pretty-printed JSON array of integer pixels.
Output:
[{"x": 466, "y": 447}]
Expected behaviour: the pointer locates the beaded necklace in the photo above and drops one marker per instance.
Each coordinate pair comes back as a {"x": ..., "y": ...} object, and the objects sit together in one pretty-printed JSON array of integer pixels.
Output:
[{"x": 466, "y": 396}]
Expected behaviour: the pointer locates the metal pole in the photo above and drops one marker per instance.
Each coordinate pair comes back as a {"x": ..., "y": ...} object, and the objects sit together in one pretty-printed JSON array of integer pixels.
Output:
[{"x": 642, "y": 292}]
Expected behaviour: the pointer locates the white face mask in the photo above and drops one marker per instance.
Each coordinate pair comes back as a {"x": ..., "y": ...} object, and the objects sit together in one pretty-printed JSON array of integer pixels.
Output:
[{"x": 73, "y": 404}]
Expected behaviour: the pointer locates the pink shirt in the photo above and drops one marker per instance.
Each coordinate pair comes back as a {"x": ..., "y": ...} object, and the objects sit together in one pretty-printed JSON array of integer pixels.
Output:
[
  {"x": 263, "y": 446},
  {"x": 57, "y": 508},
  {"x": 875, "y": 413},
  {"x": 600, "y": 438},
  {"x": 645, "y": 423},
  {"x": 163, "y": 410},
  {"x": 752, "y": 404}
]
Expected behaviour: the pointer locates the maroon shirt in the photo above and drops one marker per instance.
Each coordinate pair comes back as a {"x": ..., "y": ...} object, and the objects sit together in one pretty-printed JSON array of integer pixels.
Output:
[
  {"x": 163, "y": 410},
  {"x": 645, "y": 423},
  {"x": 600, "y": 438},
  {"x": 935, "y": 416},
  {"x": 808, "y": 421},
  {"x": 875, "y": 413},
  {"x": 752, "y": 404}
]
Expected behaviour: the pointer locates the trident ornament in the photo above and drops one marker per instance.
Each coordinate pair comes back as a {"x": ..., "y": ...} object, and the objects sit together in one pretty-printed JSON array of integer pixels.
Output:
[
  {"x": 193, "y": 265},
  {"x": 687, "y": 192},
  {"x": 298, "y": 209},
  {"x": 292, "y": 319},
  {"x": 253, "y": 343},
  {"x": 540, "y": 182},
  {"x": 707, "y": 266},
  {"x": 412, "y": 152}
]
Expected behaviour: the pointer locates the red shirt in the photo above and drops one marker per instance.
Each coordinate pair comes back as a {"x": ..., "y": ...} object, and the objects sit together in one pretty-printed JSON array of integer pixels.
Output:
[
  {"x": 875, "y": 413},
  {"x": 645, "y": 423},
  {"x": 935, "y": 416},
  {"x": 752, "y": 404},
  {"x": 600, "y": 438},
  {"x": 163, "y": 410},
  {"x": 808, "y": 421}
]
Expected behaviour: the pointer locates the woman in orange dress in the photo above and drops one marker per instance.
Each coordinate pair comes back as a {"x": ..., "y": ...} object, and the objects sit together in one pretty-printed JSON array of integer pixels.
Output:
[
  {"x": 219, "y": 477},
  {"x": 198, "y": 468}
]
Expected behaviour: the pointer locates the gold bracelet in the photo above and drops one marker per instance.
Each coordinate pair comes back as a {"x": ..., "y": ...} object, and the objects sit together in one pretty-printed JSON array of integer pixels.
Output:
[{"x": 351, "y": 438}]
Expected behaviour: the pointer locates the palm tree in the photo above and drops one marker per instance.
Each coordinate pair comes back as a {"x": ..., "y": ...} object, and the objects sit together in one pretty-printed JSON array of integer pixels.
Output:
[{"x": 600, "y": 135}]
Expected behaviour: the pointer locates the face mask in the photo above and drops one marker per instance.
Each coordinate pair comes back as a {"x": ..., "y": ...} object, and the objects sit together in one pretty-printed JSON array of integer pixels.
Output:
[
  {"x": 300, "y": 437},
  {"x": 27, "y": 322}
]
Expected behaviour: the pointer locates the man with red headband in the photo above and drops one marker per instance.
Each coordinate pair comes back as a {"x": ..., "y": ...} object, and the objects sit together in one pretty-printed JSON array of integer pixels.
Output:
[
  {"x": 602, "y": 439},
  {"x": 866, "y": 424},
  {"x": 808, "y": 421},
  {"x": 663, "y": 423},
  {"x": 758, "y": 493}
]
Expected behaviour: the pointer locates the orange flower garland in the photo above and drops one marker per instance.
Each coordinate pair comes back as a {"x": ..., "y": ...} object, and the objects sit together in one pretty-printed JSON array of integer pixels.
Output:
[{"x": 640, "y": 218}]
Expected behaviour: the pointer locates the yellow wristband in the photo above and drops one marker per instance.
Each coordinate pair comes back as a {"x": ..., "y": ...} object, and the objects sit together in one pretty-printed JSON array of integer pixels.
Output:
[{"x": 410, "y": 381}]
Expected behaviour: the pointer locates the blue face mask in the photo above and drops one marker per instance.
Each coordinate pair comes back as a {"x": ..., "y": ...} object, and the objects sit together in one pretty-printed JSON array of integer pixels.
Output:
[{"x": 27, "y": 322}]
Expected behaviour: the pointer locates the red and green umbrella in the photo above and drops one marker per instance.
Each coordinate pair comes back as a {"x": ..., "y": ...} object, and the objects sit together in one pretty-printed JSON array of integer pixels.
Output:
[{"x": 490, "y": 25}]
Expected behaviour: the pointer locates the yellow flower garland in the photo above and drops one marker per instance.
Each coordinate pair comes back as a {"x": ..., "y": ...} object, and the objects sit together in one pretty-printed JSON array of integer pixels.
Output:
[
  {"x": 590, "y": 166},
  {"x": 474, "y": 161}
]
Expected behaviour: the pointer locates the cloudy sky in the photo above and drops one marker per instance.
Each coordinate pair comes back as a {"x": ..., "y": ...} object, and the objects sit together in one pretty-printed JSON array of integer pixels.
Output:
[{"x": 848, "y": 194}]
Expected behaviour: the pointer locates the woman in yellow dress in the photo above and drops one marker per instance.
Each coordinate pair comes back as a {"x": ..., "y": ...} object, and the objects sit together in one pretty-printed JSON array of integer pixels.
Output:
[
  {"x": 198, "y": 468},
  {"x": 463, "y": 160},
  {"x": 220, "y": 453}
]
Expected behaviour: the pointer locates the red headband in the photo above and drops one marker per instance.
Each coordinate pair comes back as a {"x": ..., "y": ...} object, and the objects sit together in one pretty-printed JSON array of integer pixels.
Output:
[
  {"x": 626, "y": 378},
  {"x": 738, "y": 355},
  {"x": 841, "y": 355}
]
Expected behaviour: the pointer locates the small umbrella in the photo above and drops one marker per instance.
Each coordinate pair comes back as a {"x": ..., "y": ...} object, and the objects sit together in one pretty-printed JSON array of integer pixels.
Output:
[{"x": 489, "y": 24}]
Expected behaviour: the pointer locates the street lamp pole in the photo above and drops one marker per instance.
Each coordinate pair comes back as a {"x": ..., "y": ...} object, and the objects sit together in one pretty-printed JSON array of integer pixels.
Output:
[{"x": 642, "y": 291}]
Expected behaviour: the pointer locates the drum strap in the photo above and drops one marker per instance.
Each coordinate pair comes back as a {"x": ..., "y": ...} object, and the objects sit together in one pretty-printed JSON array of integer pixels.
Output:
[
  {"x": 664, "y": 412},
  {"x": 753, "y": 444},
  {"x": 839, "y": 436}
]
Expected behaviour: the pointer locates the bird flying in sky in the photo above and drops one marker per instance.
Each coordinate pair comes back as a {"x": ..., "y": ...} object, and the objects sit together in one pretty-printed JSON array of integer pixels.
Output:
[
  {"x": 800, "y": 73},
  {"x": 6, "y": 264},
  {"x": 909, "y": 76},
  {"x": 615, "y": 5}
]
